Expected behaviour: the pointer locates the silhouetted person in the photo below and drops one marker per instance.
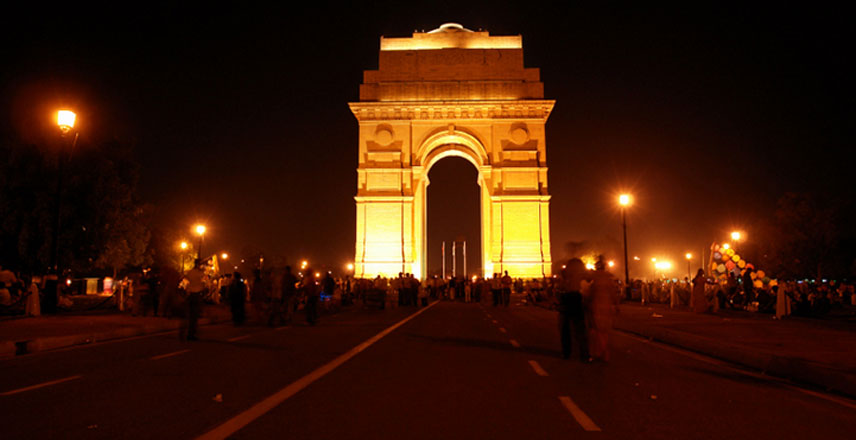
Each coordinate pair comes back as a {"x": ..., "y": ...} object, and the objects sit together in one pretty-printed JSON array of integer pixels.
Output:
[
  {"x": 50, "y": 294},
  {"x": 748, "y": 286},
  {"x": 731, "y": 288},
  {"x": 328, "y": 285},
  {"x": 571, "y": 312},
  {"x": 506, "y": 289},
  {"x": 237, "y": 294},
  {"x": 289, "y": 293},
  {"x": 310, "y": 292},
  {"x": 496, "y": 289},
  {"x": 153, "y": 280},
  {"x": 258, "y": 296},
  {"x": 197, "y": 283},
  {"x": 602, "y": 305},
  {"x": 699, "y": 300}
]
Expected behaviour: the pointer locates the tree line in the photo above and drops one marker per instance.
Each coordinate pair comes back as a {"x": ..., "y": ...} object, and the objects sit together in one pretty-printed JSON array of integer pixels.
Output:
[{"x": 103, "y": 226}]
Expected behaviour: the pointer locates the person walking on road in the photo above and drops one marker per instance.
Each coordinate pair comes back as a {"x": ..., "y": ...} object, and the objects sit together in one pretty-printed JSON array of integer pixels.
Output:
[
  {"x": 33, "y": 307},
  {"x": 699, "y": 300},
  {"x": 603, "y": 305},
  {"x": 571, "y": 312},
  {"x": 236, "y": 291},
  {"x": 506, "y": 289},
  {"x": 496, "y": 289},
  {"x": 258, "y": 296},
  {"x": 310, "y": 291},
  {"x": 289, "y": 293},
  {"x": 197, "y": 283}
]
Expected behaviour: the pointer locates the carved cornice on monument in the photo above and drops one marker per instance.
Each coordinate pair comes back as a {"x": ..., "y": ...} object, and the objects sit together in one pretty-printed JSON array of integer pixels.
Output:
[{"x": 385, "y": 111}]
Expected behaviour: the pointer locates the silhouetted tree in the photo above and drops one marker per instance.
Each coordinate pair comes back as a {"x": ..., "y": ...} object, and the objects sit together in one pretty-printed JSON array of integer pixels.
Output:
[
  {"x": 102, "y": 224},
  {"x": 805, "y": 236}
]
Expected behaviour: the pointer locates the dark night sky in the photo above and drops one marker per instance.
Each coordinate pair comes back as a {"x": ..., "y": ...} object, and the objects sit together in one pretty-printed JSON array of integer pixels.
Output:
[{"x": 240, "y": 117}]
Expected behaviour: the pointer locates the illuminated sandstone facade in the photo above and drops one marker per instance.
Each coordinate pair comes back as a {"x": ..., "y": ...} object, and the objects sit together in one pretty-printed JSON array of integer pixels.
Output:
[{"x": 452, "y": 92}]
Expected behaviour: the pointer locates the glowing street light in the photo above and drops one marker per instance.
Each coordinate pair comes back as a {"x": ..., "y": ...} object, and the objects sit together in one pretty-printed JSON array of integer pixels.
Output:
[
  {"x": 624, "y": 200},
  {"x": 726, "y": 246},
  {"x": 200, "y": 231},
  {"x": 65, "y": 120},
  {"x": 183, "y": 245},
  {"x": 663, "y": 265},
  {"x": 610, "y": 263},
  {"x": 735, "y": 236},
  {"x": 350, "y": 267},
  {"x": 689, "y": 257},
  {"x": 303, "y": 264},
  {"x": 224, "y": 256}
]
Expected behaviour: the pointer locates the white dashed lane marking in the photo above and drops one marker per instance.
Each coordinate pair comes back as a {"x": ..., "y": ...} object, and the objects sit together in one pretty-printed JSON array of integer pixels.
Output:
[
  {"x": 537, "y": 367},
  {"x": 578, "y": 414},
  {"x": 41, "y": 385},
  {"x": 243, "y": 419},
  {"x": 174, "y": 353}
]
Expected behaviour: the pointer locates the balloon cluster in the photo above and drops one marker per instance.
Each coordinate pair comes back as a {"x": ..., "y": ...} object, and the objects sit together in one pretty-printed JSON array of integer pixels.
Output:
[{"x": 726, "y": 259}]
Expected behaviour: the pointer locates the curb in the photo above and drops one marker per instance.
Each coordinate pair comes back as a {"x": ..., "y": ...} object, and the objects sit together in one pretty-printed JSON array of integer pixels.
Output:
[
  {"x": 794, "y": 369},
  {"x": 9, "y": 349}
]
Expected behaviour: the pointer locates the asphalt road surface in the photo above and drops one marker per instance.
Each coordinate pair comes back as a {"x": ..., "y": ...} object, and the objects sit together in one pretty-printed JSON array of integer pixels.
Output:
[{"x": 451, "y": 370}]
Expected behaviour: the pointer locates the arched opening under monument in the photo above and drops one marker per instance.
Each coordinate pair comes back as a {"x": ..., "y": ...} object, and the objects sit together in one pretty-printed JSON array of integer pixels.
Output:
[{"x": 453, "y": 215}]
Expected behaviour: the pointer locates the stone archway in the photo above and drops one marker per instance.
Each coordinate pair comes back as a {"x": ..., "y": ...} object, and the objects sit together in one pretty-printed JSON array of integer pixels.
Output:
[{"x": 452, "y": 92}]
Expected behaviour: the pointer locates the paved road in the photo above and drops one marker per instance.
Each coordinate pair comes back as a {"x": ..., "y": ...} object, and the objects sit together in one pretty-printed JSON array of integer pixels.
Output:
[{"x": 454, "y": 371}]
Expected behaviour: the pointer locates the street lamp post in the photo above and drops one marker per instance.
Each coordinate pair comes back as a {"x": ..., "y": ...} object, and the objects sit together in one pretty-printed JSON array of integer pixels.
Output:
[
  {"x": 183, "y": 247},
  {"x": 65, "y": 121},
  {"x": 689, "y": 257},
  {"x": 200, "y": 231},
  {"x": 624, "y": 201}
]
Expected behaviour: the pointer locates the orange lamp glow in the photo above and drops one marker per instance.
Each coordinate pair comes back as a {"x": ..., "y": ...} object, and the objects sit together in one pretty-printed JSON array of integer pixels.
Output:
[
  {"x": 65, "y": 119},
  {"x": 625, "y": 200},
  {"x": 183, "y": 245},
  {"x": 663, "y": 265},
  {"x": 200, "y": 229}
]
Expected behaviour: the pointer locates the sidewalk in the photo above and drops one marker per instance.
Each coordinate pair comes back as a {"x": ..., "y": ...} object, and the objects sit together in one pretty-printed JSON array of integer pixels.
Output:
[
  {"x": 802, "y": 350},
  {"x": 30, "y": 335}
]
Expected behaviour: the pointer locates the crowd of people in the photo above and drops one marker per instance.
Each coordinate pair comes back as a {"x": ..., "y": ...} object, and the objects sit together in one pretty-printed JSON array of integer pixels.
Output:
[
  {"x": 586, "y": 300},
  {"x": 407, "y": 290},
  {"x": 805, "y": 298}
]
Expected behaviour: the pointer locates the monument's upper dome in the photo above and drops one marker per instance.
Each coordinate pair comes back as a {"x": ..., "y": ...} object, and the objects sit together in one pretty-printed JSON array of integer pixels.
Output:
[
  {"x": 451, "y": 36},
  {"x": 450, "y": 27}
]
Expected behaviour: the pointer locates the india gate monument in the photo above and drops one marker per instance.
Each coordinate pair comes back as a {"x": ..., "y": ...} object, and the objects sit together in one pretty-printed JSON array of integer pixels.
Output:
[{"x": 452, "y": 92}]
